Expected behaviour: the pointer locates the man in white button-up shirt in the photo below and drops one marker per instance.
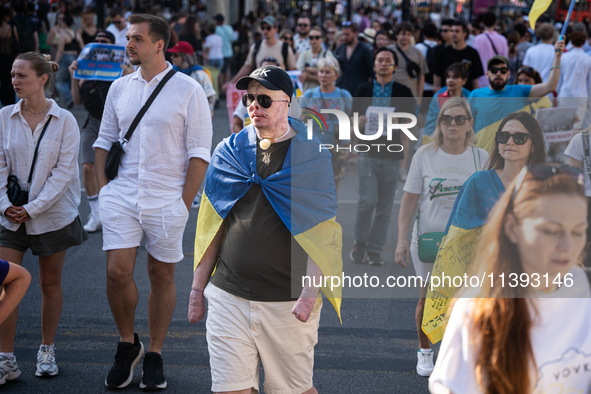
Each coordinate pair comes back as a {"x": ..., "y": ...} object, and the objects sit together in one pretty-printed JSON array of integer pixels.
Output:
[
  {"x": 119, "y": 26},
  {"x": 574, "y": 86},
  {"x": 160, "y": 172}
]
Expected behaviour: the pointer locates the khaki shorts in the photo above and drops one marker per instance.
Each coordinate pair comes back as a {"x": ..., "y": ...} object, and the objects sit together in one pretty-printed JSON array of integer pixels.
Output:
[{"x": 242, "y": 332}]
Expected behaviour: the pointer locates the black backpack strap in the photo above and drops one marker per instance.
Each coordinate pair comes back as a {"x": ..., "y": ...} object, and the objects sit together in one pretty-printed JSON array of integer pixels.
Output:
[
  {"x": 257, "y": 47},
  {"x": 151, "y": 99},
  {"x": 37, "y": 150},
  {"x": 284, "y": 53}
]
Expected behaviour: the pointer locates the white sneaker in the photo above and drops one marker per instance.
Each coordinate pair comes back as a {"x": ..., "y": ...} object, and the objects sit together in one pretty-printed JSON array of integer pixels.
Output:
[
  {"x": 93, "y": 224},
  {"x": 46, "y": 365},
  {"x": 425, "y": 363},
  {"x": 8, "y": 369}
]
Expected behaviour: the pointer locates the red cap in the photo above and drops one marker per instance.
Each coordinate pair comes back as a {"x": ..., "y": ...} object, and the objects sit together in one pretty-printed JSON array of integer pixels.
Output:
[{"x": 182, "y": 46}]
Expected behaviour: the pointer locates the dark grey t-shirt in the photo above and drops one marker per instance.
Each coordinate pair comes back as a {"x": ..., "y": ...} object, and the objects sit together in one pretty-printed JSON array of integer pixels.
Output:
[{"x": 258, "y": 250}]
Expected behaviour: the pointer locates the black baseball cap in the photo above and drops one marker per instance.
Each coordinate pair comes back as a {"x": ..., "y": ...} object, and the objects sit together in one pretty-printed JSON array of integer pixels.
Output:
[
  {"x": 106, "y": 34},
  {"x": 271, "y": 77}
]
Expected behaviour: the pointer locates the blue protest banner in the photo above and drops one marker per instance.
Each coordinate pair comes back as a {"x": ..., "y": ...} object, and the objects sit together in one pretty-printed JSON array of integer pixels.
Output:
[{"x": 100, "y": 62}]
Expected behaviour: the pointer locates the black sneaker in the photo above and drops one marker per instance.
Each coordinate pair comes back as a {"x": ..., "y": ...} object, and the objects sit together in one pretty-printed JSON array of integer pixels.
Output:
[
  {"x": 375, "y": 259},
  {"x": 153, "y": 376},
  {"x": 126, "y": 358},
  {"x": 357, "y": 254}
]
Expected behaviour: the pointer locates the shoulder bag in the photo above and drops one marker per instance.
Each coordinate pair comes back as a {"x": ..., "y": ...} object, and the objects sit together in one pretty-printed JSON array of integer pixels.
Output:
[
  {"x": 412, "y": 68},
  {"x": 16, "y": 195},
  {"x": 116, "y": 151},
  {"x": 429, "y": 242}
]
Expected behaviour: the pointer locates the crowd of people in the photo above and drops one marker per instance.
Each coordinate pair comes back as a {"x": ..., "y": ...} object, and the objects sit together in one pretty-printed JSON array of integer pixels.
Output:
[{"x": 486, "y": 199}]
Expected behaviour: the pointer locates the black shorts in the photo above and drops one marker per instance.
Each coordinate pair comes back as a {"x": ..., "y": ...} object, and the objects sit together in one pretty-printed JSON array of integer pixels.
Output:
[{"x": 46, "y": 244}]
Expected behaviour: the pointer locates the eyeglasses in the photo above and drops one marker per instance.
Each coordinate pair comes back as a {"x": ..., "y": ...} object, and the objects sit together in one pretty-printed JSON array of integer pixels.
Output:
[
  {"x": 118, "y": 22},
  {"x": 459, "y": 119},
  {"x": 263, "y": 100},
  {"x": 303, "y": 25},
  {"x": 445, "y": 30},
  {"x": 503, "y": 137},
  {"x": 541, "y": 172},
  {"x": 315, "y": 37},
  {"x": 266, "y": 27},
  {"x": 494, "y": 70}
]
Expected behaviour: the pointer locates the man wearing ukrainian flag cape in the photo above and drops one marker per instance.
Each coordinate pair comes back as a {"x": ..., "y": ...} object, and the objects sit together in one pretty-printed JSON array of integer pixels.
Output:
[{"x": 267, "y": 226}]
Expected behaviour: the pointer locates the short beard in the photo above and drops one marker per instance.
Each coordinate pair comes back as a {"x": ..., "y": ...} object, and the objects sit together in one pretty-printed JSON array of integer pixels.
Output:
[
  {"x": 496, "y": 85},
  {"x": 135, "y": 62}
]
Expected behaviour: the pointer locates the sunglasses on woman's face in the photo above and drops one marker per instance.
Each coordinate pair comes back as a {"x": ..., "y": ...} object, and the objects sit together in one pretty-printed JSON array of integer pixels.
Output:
[
  {"x": 503, "y": 137},
  {"x": 460, "y": 119},
  {"x": 541, "y": 172},
  {"x": 315, "y": 37},
  {"x": 263, "y": 100},
  {"x": 526, "y": 70}
]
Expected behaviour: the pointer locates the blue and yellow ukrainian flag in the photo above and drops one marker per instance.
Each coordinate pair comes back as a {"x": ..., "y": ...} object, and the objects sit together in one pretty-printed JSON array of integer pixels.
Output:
[
  {"x": 476, "y": 199},
  {"x": 491, "y": 112},
  {"x": 302, "y": 193}
]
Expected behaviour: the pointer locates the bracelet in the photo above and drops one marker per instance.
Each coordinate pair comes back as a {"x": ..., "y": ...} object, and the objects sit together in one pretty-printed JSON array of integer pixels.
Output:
[{"x": 554, "y": 67}]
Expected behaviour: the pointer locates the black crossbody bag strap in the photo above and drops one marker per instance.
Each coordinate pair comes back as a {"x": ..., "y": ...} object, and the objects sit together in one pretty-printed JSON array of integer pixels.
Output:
[
  {"x": 151, "y": 99},
  {"x": 491, "y": 43},
  {"x": 37, "y": 150},
  {"x": 404, "y": 55}
]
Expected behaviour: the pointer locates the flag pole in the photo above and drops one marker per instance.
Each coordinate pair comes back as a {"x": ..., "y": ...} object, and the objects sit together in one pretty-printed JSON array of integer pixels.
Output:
[{"x": 570, "y": 11}]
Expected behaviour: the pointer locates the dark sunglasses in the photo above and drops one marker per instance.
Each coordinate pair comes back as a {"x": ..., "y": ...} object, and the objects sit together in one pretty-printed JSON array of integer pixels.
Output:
[
  {"x": 503, "y": 137},
  {"x": 460, "y": 119},
  {"x": 263, "y": 100},
  {"x": 315, "y": 37},
  {"x": 445, "y": 30},
  {"x": 494, "y": 70},
  {"x": 541, "y": 172},
  {"x": 303, "y": 24},
  {"x": 527, "y": 70},
  {"x": 266, "y": 27}
]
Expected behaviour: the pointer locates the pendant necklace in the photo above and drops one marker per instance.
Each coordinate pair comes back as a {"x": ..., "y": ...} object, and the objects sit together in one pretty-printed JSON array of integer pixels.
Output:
[
  {"x": 266, "y": 143},
  {"x": 35, "y": 114}
]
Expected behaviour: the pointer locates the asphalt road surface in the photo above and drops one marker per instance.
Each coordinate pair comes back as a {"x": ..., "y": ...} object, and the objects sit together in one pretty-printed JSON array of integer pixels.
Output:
[{"x": 373, "y": 351}]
